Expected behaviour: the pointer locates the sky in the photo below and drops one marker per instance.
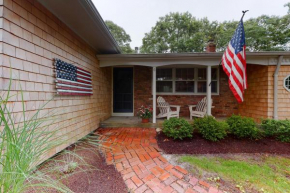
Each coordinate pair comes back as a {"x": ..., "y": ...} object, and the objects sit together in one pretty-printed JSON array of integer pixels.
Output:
[{"x": 137, "y": 17}]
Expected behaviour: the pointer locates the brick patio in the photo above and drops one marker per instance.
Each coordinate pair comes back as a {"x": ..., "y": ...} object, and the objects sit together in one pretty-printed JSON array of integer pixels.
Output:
[{"x": 135, "y": 154}]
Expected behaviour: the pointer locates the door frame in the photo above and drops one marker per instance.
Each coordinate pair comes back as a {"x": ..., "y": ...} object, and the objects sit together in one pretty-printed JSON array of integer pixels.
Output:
[{"x": 112, "y": 99}]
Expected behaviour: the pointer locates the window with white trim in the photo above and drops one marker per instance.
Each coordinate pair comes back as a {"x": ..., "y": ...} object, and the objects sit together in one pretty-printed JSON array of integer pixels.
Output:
[
  {"x": 287, "y": 83},
  {"x": 185, "y": 80}
]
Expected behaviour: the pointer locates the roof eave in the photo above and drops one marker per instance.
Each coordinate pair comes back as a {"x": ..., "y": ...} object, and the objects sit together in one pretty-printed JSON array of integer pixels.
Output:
[
  {"x": 82, "y": 17},
  {"x": 104, "y": 26}
]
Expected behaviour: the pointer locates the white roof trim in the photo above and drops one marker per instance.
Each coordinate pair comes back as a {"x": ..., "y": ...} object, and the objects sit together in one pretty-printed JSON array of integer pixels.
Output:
[{"x": 203, "y": 59}]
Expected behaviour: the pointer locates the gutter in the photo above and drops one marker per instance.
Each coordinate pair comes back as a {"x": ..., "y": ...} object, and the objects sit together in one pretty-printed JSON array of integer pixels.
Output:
[
  {"x": 276, "y": 74},
  {"x": 188, "y": 55}
]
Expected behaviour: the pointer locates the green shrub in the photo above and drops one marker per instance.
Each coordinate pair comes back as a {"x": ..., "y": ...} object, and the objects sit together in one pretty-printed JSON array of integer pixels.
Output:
[
  {"x": 210, "y": 128},
  {"x": 243, "y": 127},
  {"x": 177, "y": 128},
  {"x": 277, "y": 128},
  {"x": 269, "y": 127}
]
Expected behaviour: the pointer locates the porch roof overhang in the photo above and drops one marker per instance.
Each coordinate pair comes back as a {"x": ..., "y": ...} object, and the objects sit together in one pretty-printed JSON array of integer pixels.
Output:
[
  {"x": 203, "y": 59},
  {"x": 82, "y": 17}
]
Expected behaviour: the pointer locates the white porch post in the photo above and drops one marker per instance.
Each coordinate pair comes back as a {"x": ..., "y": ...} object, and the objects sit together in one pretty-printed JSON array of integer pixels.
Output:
[
  {"x": 208, "y": 90},
  {"x": 154, "y": 93}
]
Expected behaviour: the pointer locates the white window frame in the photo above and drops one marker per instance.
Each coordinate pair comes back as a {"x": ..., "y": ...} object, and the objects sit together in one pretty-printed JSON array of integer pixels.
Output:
[
  {"x": 195, "y": 82},
  {"x": 284, "y": 83}
]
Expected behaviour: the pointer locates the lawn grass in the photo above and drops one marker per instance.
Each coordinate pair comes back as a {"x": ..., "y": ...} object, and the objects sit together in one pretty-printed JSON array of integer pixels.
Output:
[{"x": 265, "y": 174}]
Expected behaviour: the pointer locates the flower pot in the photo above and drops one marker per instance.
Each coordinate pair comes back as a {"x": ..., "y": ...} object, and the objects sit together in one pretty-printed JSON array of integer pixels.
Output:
[{"x": 145, "y": 120}]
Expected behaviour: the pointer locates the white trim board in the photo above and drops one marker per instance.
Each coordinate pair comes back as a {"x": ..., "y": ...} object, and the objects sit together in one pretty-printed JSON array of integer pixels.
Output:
[{"x": 123, "y": 114}]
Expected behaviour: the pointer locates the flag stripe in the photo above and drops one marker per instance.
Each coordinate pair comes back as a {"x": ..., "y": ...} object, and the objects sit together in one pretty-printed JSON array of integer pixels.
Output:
[
  {"x": 84, "y": 74},
  {"x": 69, "y": 88},
  {"x": 73, "y": 94},
  {"x": 72, "y": 83},
  {"x": 72, "y": 86},
  {"x": 72, "y": 91}
]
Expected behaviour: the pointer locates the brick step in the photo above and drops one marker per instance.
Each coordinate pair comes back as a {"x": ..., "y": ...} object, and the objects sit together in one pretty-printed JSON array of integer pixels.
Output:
[{"x": 130, "y": 125}]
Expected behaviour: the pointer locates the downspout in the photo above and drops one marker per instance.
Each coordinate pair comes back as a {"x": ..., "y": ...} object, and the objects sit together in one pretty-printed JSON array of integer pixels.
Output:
[{"x": 276, "y": 87}]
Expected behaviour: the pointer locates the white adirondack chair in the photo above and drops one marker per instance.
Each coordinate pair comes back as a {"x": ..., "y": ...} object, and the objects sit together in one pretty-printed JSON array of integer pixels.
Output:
[
  {"x": 165, "y": 109},
  {"x": 200, "y": 108}
]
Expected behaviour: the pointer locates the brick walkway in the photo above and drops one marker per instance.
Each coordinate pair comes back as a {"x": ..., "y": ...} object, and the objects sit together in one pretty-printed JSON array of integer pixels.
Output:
[{"x": 135, "y": 153}]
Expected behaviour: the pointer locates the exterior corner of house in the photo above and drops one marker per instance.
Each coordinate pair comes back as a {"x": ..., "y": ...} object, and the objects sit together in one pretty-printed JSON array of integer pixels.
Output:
[{"x": 29, "y": 43}]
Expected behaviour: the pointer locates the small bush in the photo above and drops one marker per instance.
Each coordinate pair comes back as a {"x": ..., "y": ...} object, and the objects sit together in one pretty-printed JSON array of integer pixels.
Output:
[
  {"x": 277, "y": 128},
  {"x": 177, "y": 128},
  {"x": 269, "y": 127},
  {"x": 243, "y": 127},
  {"x": 211, "y": 129}
]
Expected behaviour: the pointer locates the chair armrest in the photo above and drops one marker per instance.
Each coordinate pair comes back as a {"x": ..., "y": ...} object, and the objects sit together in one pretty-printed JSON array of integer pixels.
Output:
[
  {"x": 191, "y": 108},
  {"x": 174, "y": 105},
  {"x": 163, "y": 106}
]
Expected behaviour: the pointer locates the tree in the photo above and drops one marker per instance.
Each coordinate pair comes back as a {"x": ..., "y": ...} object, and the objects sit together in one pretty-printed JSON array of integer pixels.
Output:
[
  {"x": 264, "y": 33},
  {"x": 123, "y": 39},
  {"x": 181, "y": 32},
  {"x": 267, "y": 33},
  {"x": 178, "y": 32}
]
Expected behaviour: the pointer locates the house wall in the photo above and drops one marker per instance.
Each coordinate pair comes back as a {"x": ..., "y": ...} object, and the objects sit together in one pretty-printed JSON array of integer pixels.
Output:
[
  {"x": 30, "y": 38},
  {"x": 256, "y": 96},
  {"x": 259, "y": 97},
  {"x": 283, "y": 94},
  {"x": 225, "y": 103}
]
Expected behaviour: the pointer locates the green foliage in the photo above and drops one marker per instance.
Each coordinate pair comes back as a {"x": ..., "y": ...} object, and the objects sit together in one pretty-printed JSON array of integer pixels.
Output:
[
  {"x": 210, "y": 128},
  {"x": 177, "y": 128},
  {"x": 178, "y": 32},
  {"x": 269, "y": 127},
  {"x": 123, "y": 39},
  {"x": 277, "y": 128},
  {"x": 25, "y": 139},
  {"x": 22, "y": 146},
  {"x": 181, "y": 32},
  {"x": 243, "y": 127},
  {"x": 288, "y": 5},
  {"x": 267, "y": 33},
  {"x": 268, "y": 173}
]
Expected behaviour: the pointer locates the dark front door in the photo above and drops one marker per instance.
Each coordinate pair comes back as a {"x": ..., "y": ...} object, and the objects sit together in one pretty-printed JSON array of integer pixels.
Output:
[{"x": 123, "y": 90}]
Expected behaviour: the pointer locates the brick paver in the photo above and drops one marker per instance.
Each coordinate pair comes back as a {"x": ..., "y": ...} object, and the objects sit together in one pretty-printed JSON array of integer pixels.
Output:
[{"x": 136, "y": 155}]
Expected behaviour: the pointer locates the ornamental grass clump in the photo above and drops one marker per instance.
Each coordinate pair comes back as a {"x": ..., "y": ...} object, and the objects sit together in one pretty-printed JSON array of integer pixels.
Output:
[
  {"x": 243, "y": 127},
  {"x": 210, "y": 128},
  {"x": 25, "y": 140},
  {"x": 177, "y": 128}
]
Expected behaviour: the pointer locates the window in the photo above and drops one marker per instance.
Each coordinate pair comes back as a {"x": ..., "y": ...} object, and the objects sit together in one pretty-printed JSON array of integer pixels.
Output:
[
  {"x": 287, "y": 83},
  {"x": 164, "y": 80},
  {"x": 201, "y": 80},
  {"x": 185, "y": 80}
]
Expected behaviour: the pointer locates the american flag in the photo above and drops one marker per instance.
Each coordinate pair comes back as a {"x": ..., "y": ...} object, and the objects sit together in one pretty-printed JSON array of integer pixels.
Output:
[
  {"x": 234, "y": 63},
  {"x": 72, "y": 80}
]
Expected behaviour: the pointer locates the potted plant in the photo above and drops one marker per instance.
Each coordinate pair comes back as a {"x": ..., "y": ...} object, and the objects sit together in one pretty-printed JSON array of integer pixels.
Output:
[{"x": 145, "y": 113}]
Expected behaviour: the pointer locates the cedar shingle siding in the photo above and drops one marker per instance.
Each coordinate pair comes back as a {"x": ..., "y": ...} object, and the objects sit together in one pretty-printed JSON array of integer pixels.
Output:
[{"x": 31, "y": 38}]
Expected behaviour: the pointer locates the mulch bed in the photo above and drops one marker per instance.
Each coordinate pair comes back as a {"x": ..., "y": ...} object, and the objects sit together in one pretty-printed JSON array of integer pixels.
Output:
[
  {"x": 198, "y": 145},
  {"x": 104, "y": 179},
  {"x": 99, "y": 176}
]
